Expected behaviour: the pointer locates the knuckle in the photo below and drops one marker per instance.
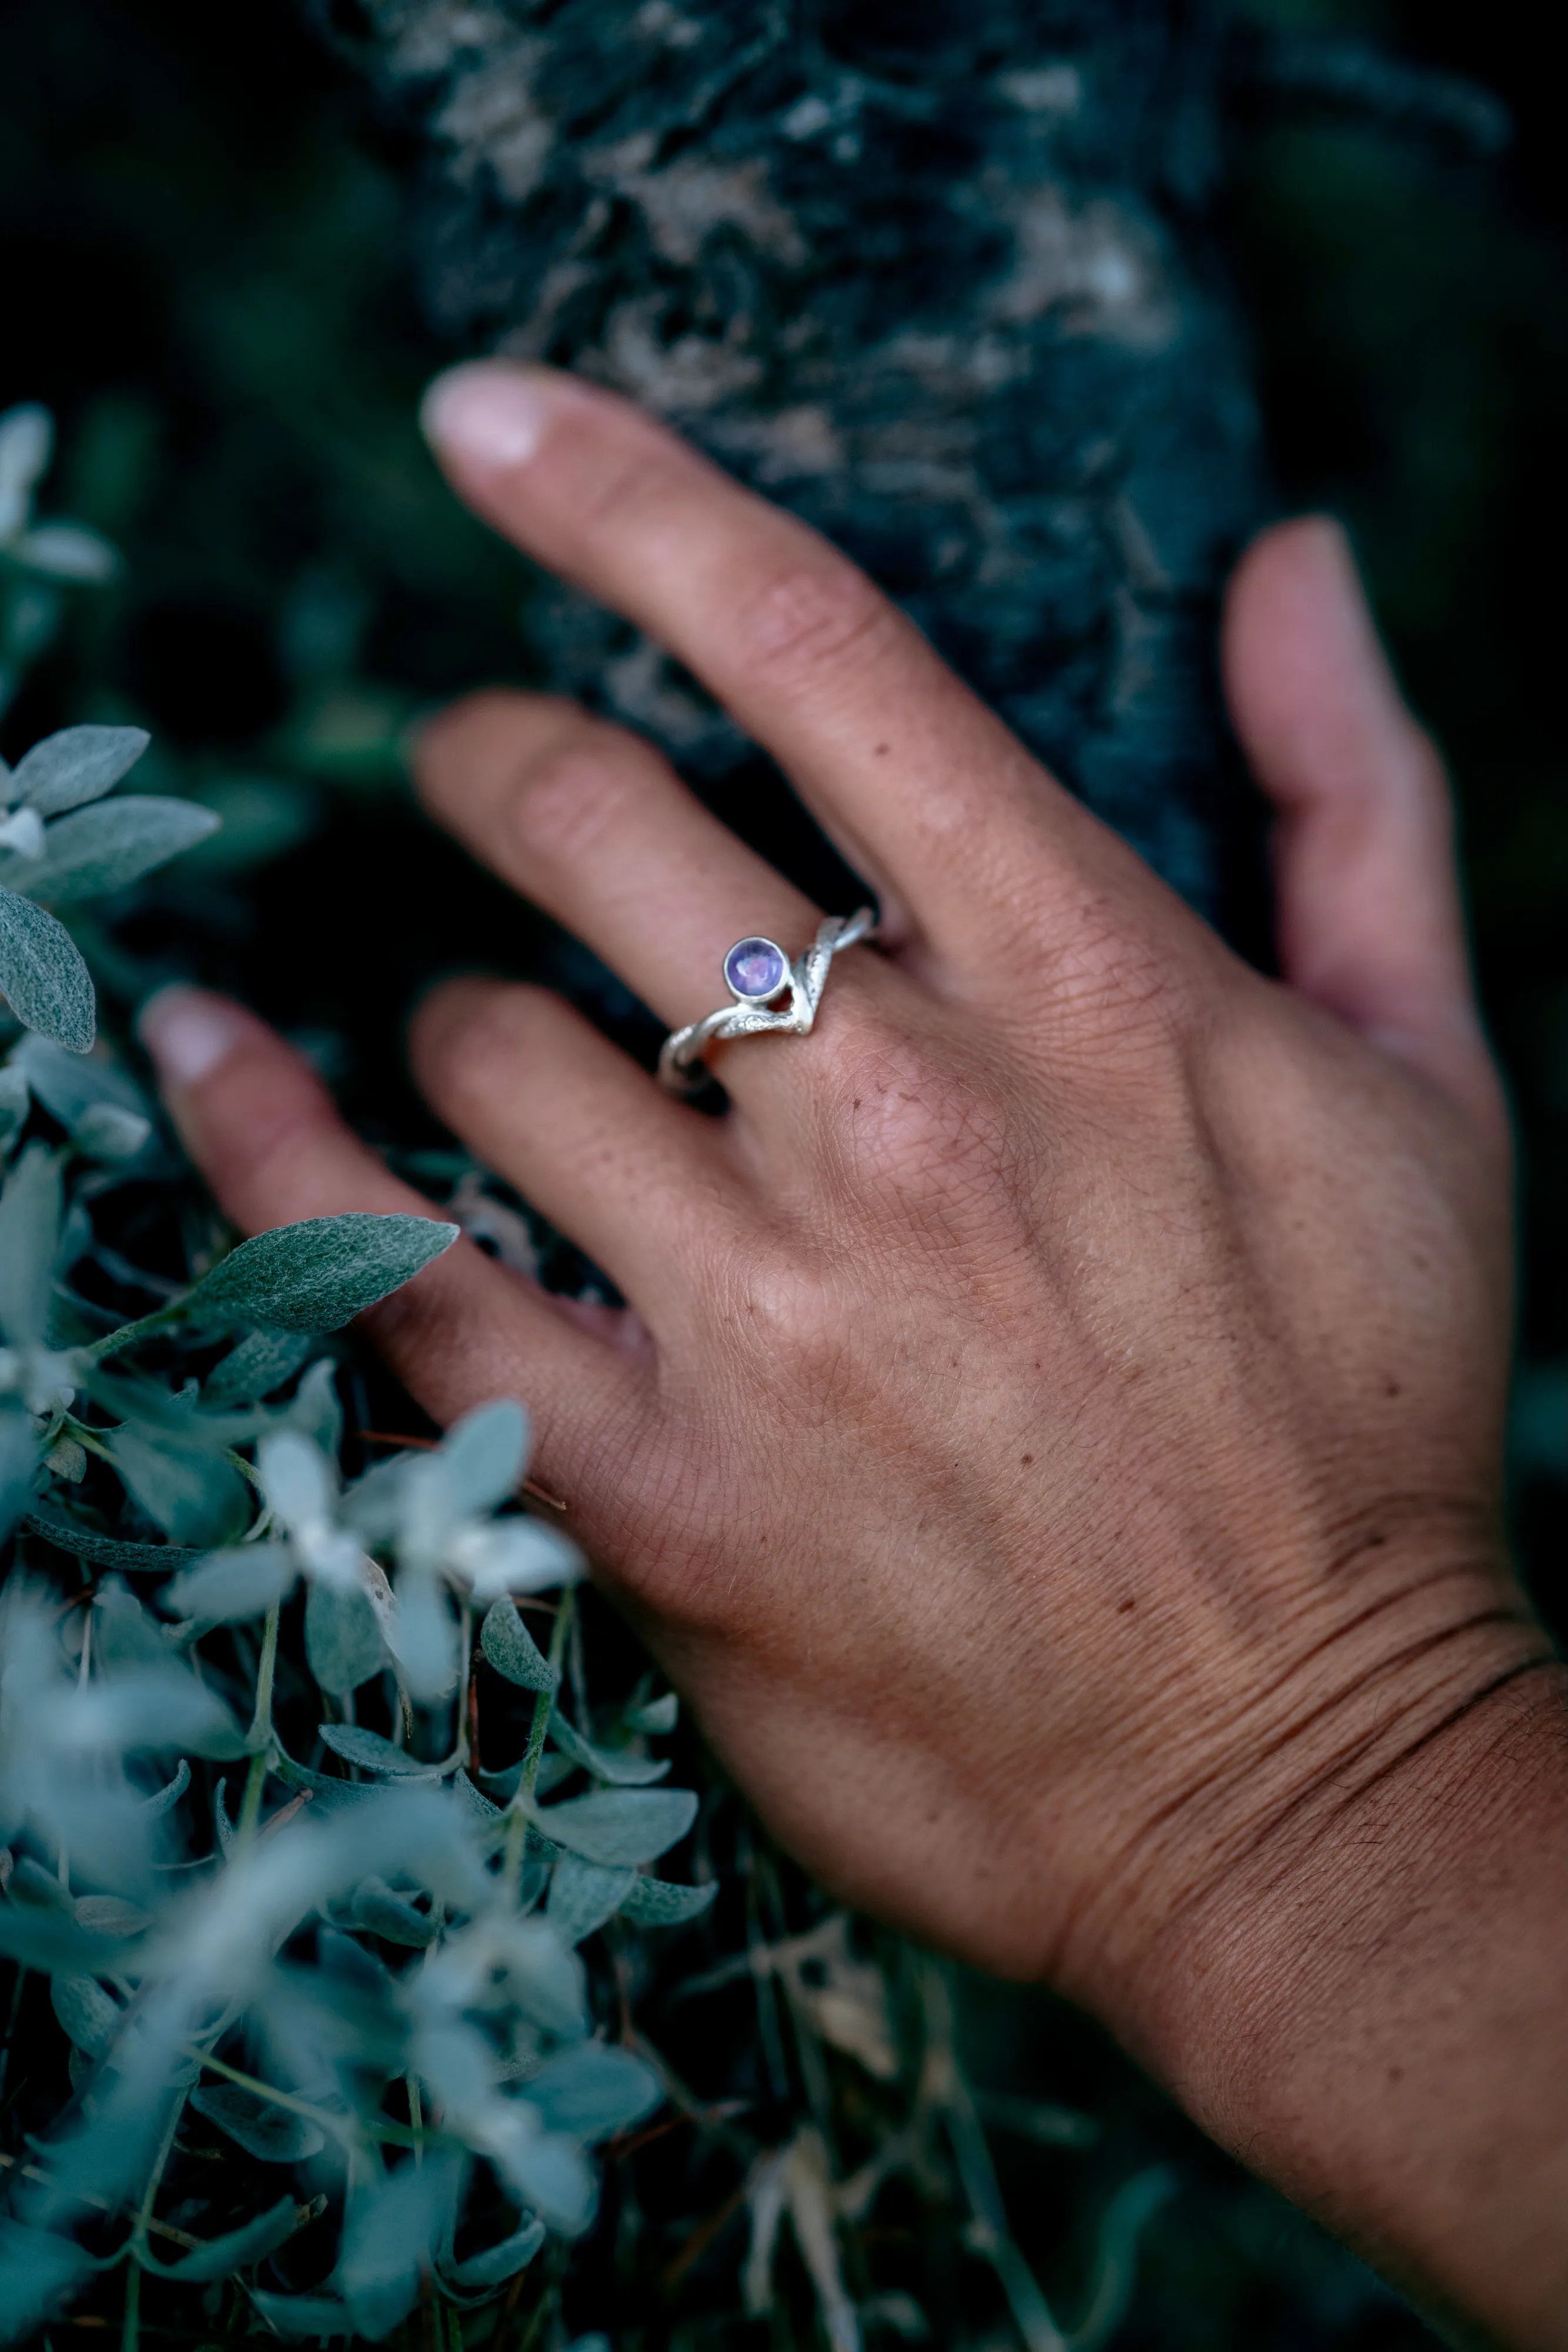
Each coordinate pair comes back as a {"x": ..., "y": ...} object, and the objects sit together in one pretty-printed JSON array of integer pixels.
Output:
[
  {"x": 923, "y": 1134},
  {"x": 576, "y": 791},
  {"x": 811, "y": 615}
]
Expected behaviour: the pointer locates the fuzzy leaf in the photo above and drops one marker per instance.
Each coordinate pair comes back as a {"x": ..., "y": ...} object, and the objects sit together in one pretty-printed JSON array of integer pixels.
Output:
[
  {"x": 594, "y": 2091},
  {"x": 231, "y": 1586},
  {"x": 107, "y": 847},
  {"x": 497, "y": 2263},
  {"x": 70, "y": 1084},
  {"x": 165, "y": 1800},
  {"x": 391, "y": 2231},
  {"x": 482, "y": 1455},
  {"x": 237, "y": 2249},
  {"x": 659, "y": 1903},
  {"x": 79, "y": 763},
  {"x": 27, "y": 444},
  {"x": 54, "y": 1945},
  {"x": 68, "y": 551},
  {"x": 110, "y": 1914},
  {"x": 621, "y": 1825},
  {"x": 30, "y": 1244},
  {"x": 19, "y": 1448},
  {"x": 655, "y": 1714},
  {"x": 272, "y": 2134},
  {"x": 615, "y": 1765},
  {"x": 380, "y": 1912},
  {"x": 44, "y": 979},
  {"x": 511, "y": 1649},
  {"x": 260, "y": 1365},
  {"x": 89, "y": 2015},
  {"x": 342, "y": 1639},
  {"x": 111, "y": 1551},
  {"x": 374, "y": 1754},
  {"x": 40, "y": 2272},
  {"x": 584, "y": 1895},
  {"x": 318, "y": 1275},
  {"x": 195, "y": 1496}
]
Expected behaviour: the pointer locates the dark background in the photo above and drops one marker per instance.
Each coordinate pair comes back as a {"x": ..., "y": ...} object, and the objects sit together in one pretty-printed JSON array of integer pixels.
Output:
[{"x": 203, "y": 267}]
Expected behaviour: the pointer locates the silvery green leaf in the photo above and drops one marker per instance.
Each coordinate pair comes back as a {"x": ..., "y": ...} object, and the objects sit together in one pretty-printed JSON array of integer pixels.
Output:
[
  {"x": 659, "y": 1903},
  {"x": 164, "y": 1800},
  {"x": 39, "y": 2272},
  {"x": 14, "y": 1100},
  {"x": 497, "y": 2263},
  {"x": 299, "y": 1482},
  {"x": 380, "y": 1912},
  {"x": 423, "y": 1636},
  {"x": 30, "y": 1883},
  {"x": 79, "y": 763},
  {"x": 195, "y": 1497},
  {"x": 655, "y": 1714},
  {"x": 261, "y": 1364},
  {"x": 329, "y": 1795},
  {"x": 511, "y": 1649},
  {"x": 315, "y": 1411},
  {"x": 583, "y": 1895},
  {"x": 342, "y": 1640},
  {"x": 26, "y": 445},
  {"x": 264, "y": 2129},
  {"x": 482, "y": 1455},
  {"x": 231, "y": 1586},
  {"x": 108, "y": 847},
  {"x": 594, "y": 2091},
  {"x": 107, "y": 1132},
  {"x": 87, "y": 2013},
  {"x": 53, "y": 1943},
  {"x": 22, "y": 836},
  {"x": 68, "y": 551},
  {"x": 318, "y": 1275},
  {"x": 110, "y": 1914},
  {"x": 516, "y": 1555},
  {"x": 238, "y": 2248},
  {"x": 621, "y": 1825},
  {"x": 19, "y": 1448},
  {"x": 550, "y": 2172},
  {"x": 624, "y": 1771},
  {"x": 298, "y": 2316},
  {"x": 29, "y": 1242},
  {"x": 373, "y": 1754},
  {"x": 44, "y": 979},
  {"x": 391, "y": 2232},
  {"x": 70, "y": 1085},
  {"x": 143, "y": 1710},
  {"x": 124, "y": 1633},
  {"x": 99, "y": 1550}
]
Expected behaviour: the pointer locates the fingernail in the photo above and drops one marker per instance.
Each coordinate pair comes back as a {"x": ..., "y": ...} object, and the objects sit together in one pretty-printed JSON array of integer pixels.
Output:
[
  {"x": 490, "y": 413},
  {"x": 188, "y": 1032}
]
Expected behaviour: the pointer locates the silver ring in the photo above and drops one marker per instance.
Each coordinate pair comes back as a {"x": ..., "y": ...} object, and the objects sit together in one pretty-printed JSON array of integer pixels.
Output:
[{"x": 757, "y": 974}]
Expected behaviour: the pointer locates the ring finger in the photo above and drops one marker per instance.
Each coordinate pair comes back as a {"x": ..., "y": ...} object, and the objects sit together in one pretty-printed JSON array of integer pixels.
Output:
[{"x": 595, "y": 826}]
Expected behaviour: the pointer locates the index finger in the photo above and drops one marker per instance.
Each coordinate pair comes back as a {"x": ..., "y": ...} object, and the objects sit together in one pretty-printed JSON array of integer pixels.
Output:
[{"x": 922, "y": 788}]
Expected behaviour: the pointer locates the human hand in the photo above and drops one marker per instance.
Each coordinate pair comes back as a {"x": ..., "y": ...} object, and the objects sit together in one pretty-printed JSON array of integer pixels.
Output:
[{"x": 1054, "y": 1441}]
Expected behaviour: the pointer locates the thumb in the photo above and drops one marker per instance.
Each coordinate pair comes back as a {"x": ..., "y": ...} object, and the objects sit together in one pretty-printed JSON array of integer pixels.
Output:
[{"x": 1367, "y": 900}]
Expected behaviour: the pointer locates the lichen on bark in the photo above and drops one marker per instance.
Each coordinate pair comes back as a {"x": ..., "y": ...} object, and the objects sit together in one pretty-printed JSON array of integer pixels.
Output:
[{"x": 938, "y": 276}]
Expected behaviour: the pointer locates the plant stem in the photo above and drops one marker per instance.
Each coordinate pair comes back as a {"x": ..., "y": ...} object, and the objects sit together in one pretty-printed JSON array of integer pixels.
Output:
[
  {"x": 162, "y": 1319},
  {"x": 260, "y": 1729},
  {"x": 521, "y": 1806}
]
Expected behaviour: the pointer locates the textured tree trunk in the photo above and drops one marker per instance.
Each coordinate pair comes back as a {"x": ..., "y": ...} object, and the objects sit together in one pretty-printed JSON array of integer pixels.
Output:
[{"x": 937, "y": 275}]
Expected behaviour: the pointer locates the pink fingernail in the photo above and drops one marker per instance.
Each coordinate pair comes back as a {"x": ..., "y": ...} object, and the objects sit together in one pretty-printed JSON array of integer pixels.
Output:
[
  {"x": 488, "y": 413},
  {"x": 188, "y": 1032}
]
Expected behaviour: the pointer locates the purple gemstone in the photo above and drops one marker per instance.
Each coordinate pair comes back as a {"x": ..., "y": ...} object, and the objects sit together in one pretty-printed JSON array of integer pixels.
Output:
[{"x": 756, "y": 970}]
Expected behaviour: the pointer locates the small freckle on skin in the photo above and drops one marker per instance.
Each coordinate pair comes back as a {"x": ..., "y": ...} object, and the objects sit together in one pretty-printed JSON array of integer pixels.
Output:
[
  {"x": 1125, "y": 1608},
  {"x": 1391, "y": 1388},
  {"x": 1027, "y": 1460},
  {"x": 880, "y": 749}
]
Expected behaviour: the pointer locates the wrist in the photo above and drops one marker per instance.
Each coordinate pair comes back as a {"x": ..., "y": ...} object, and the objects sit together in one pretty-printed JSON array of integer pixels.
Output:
[{"x": 1367, "y": 2008}]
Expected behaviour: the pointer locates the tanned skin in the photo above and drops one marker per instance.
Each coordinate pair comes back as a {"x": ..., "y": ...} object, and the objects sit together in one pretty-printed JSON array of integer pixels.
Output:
[{"x": 1054, "y": 1441}]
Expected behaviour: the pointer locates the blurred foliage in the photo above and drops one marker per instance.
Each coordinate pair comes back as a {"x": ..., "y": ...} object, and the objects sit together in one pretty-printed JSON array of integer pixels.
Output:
[{"x": 205, "y": 259}]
